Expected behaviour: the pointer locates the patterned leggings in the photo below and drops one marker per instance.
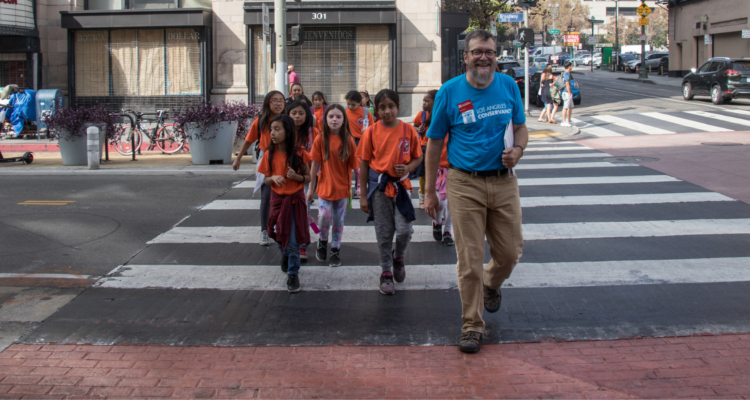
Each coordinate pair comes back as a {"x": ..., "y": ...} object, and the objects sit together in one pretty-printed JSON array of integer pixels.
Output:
[{"x": 336, "y": 210}]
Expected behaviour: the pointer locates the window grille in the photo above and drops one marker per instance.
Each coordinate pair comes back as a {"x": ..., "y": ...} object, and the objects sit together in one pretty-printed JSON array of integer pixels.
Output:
[{"x": 13, "y": 69}]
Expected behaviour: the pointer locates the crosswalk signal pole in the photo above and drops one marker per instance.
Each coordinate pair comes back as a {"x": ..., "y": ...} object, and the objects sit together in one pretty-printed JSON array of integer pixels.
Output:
[
  {"x": 526, "y": 64},
  {"x": 279, "y": 16}
]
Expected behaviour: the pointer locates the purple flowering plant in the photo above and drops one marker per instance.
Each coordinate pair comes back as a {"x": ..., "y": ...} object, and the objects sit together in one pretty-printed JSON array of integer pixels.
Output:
[
  {"x": 207, "y": 114},
  {"x": 68, "y": 122}
]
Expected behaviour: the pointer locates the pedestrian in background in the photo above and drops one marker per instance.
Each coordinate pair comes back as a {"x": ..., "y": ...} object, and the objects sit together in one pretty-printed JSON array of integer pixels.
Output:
[
  {"x": 547, "y": 80},
  {"x": 477, "y": 108},
  {"x": 567, "y": 95},
  {"x": 366, "y": 103},
  {"x": 422, "y": 123},
  {"x": 359, "y": 119},
  {"x": 293, "y": 77},
  {"x": 442, "y": 223},
  {"x": 320, "y": 107},
  {"x": 295, "y": 91},
  {"x": 334, "y": 155},
  {"x": 287, "y": 173},
  {"x": 305, "y": 133},
  {"x": 273, "y": 106},
  {"x": 389, "y": 150}
]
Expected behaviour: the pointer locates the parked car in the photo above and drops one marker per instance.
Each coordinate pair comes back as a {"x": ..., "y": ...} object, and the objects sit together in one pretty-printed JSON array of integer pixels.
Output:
[
  {"x": 539, "y": 62},
  {"x": 504, "y": 65},
  {"x": 622, "y": 61},
  {"x": 534, "y": 83},
  {"x": 518, "y": 75},
  {"x": 562, "y": 57},
  {"x": 653, "y": 59},
  {"x": 633, "y": 65},
  {"x": 582, "y": 60},
  {"x": 663, "y": 65},
  {"x": 724, "y": 79}
]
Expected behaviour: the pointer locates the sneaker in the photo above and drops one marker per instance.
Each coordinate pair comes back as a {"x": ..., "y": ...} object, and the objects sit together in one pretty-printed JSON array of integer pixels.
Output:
[
  {"x": 358, "y": 195},
  {"x": 448, "y": 239},
  {"x": 303, "y": 253},
  {"x": 284, "y": 264},
  {"x": 335, "y": 258},
  {"x": 421, "y": 204},
  {"x": 470, "y": 342},
  {"x": 492, "y": 299},
  {"x": 386, "y": 283},
  {"x": 399, "y": 269},
  {"x": 565, "y": 124},
  {"x": 292, "y": 284},
  {"x": 264, "y": 240},
  {"x": 436, "y": 231},
  {"x": 322, "y": 253}
]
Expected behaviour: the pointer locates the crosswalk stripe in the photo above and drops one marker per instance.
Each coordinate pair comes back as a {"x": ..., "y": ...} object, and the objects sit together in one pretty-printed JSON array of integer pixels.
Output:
[
  {"x": 731, "y": 120},
  {"x": 638, "y": 127},
  {"x": 587, "y": 180},
  {"x": 422, "y": 233},
  {"x": 566, "y": 155},
  {"x": 743, "y": 112},
  {"x": 531, "y": 148},
  {"x": 595, "y": 130},
  {"x": 698, "y": 126},
  {"x": 595, "y": 180},
  {"x": 572, "y": 165},
  {"x": 526, "y": 202},
  {"x": 429, "y": 277}
]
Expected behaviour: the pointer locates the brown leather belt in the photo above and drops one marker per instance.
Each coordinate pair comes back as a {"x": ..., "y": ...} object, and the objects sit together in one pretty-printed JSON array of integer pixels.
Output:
[{"x": 483, "y": 174}]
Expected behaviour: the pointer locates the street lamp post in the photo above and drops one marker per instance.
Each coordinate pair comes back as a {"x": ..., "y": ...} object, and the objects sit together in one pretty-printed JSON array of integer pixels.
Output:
[
  {"x": 617, "y": 35},
  {"x": 573, "y": 52},
  {"x": 555, "y": 11}
]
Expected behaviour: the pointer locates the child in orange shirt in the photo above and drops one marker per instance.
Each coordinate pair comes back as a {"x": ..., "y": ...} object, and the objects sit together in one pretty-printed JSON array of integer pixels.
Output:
[
  {"x": 320, "y": 106},
  {"x": 273, "y": 106},
  {"x": 359, "y": 119},
  {"x": 305, "y": 133},
  {"x": 389, "y": 150},
  {"x": 286, "y": 173},
  {"x": 334, "y": 155},
  {"x": 422, "y": 123}
]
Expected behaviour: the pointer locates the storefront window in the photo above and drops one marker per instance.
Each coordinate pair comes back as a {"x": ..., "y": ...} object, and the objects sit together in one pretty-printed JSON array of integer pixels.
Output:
[
  {"x": 334, "y": 60},
  {"x": 104, "y": 5},
  {"x": 13, "y": 69}
]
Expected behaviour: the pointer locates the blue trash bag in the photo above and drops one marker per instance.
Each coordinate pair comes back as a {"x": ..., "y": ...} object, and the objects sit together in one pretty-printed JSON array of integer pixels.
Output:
[{"x": 24, "y": 109}]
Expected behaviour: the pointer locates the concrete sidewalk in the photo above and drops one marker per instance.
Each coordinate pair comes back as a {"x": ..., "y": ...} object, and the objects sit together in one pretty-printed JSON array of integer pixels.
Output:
[
  {"x": 681, "y": 367},
  {"x": 653, "y": 78}
]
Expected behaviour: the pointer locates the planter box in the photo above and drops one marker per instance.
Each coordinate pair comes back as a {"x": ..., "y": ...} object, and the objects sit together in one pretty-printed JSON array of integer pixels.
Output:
[
  {"x": 212, "y": 144},
  {"x": 73, "y": 150}
]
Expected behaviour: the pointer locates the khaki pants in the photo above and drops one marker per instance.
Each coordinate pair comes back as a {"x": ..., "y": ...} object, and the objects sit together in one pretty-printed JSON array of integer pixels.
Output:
[{"x": 482, "y": 207}]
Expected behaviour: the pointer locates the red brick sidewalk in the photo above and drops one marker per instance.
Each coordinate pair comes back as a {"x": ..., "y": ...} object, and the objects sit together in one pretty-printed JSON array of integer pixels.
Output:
[{"x": 692, "y": 367}]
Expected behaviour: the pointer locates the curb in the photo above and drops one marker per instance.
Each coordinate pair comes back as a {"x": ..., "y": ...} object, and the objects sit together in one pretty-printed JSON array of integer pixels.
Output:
[{"x": 638, "y": 80}]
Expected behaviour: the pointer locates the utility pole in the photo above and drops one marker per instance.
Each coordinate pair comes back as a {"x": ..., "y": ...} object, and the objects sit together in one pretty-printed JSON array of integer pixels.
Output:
[
  {"x": 617, "y": 35},
  {"x": 526, "y": 78},
  {"x": 279, "y": 16},
  {"x": 643, "y": 73}
]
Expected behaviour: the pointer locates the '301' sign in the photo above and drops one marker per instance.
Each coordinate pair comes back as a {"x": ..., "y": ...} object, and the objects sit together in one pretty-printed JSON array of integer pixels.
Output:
[{"x": 319, "y": 16}]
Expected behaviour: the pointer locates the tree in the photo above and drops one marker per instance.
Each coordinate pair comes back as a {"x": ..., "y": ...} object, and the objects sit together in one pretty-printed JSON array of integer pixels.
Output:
[
  {"x": 569, "y": 13},
  {"x": 657, "y": 30},
  {"x": 628, "y": 30},
  {"x": 480, "y": 11}
]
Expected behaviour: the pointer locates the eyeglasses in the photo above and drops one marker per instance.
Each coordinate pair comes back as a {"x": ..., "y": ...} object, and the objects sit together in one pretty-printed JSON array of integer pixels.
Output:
[
  {"x": 478, "y": 53},
  {"x": 277, "y": 101}
]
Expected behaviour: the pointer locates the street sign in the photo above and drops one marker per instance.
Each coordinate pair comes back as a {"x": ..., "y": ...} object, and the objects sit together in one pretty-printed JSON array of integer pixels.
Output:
[
  {"x": 554, "y": 31},
  {"x": 643, "y": 21},
  {"x": 571, "y": 39},
  {"x": 708, "y": 39},
  {"x": 526, "y": 35},
  {"x": 643, "y": 10},
  {"x": 266, "y": 20},
  {"x": 554, "y": 42},
  {"x": 571, "y": 28},
  {"x": 746, "y": 33},
  {"x": 510, "y": 17},
  {"x": 642, "y": 37},
  {"x": 601, "y": 45},
  {"x": 592, "y": 39}
]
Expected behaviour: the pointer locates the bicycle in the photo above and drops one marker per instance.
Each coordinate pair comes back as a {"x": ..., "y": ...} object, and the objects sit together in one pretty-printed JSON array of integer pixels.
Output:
[{"x": 166, "y": 137}]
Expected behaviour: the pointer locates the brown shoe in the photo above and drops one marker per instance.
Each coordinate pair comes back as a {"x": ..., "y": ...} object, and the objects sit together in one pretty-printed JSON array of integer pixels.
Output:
[
  {"x": 552, "y": 121},
  {"x": 492, "y": 299},
  {"x": 470, "y": 342}
]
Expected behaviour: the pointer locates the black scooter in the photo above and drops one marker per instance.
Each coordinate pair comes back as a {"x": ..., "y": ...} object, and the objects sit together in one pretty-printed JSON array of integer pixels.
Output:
[{"x": 26, "y": 158}]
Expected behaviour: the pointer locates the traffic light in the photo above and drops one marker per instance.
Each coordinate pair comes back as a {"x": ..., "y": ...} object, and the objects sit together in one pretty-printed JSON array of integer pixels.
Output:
[
  {"x": 298, "y": 35},
  {"x": 527, "y": 3}
]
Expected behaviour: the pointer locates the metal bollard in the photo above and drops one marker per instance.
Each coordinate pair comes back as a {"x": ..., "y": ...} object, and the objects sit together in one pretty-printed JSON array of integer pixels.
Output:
[{"x": 92, "y": 142}]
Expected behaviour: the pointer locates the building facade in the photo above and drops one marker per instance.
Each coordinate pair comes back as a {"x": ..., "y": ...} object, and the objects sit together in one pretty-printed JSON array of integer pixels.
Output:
[
  {"x": 149, "y": 54},
  {"x": 701, "y": 29}
]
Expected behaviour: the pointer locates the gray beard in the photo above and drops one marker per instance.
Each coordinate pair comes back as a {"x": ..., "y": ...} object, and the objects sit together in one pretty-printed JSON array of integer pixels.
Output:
[{"x": 479, "y": 78}]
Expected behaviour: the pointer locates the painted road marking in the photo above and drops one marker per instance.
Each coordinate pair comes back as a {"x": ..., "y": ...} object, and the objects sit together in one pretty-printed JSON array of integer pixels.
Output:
[
  {"x": 566, "y": 155},
  {"x": 561, "y": 166},
  {"x": 742, "y": 112},
  {"x": 430, "y": 277},
  {"x": 528, "y": 202},
  {"x": 423, "y": 233},
  {"x": 251, "y": 184},
  {"x": 595, "y": 130},
  {"x": 46, "y": 202},
  {"x": 732, "y": 120},
  {"x": 539, "y": 134},
  {"x": 596, "y": 180},
  {"x": 685, "y": 122},
  {"x": 531, "y": 148},
  {"x": 638, "y": 127}
]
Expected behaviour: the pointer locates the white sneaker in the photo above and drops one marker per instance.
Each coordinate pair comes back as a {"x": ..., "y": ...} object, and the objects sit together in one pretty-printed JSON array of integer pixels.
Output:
[
  {"x": 565, "y": 123},
  {"x": 264, "y": 240}
]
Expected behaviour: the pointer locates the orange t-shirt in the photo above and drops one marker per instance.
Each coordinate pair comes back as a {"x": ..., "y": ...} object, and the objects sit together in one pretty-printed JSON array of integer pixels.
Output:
[
  {"x": 357, "y": 121},
  {"x": 319, "y": 113},
  {"x": 280, "y": 168},
  {"x": 265, "y": 136},
  {"x": 444, "y": 154},
  {"x": 418, "y": 123},
  {"x": 315, "y": 134},
  {"x": 383, "y": 153},
  {"x": 335, "y": 175}
]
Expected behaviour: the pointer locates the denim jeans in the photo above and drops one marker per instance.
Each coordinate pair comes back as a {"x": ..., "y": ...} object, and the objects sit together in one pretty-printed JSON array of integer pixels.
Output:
[{"x": 292, "y": 249}]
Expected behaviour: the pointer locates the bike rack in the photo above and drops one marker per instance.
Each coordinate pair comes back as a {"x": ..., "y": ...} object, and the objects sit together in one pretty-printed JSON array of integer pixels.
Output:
[{"x": 132, "y": 136}]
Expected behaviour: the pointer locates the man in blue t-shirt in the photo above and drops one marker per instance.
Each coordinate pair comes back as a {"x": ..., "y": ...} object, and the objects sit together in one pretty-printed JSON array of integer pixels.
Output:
[{"x": 483, "y": 199}]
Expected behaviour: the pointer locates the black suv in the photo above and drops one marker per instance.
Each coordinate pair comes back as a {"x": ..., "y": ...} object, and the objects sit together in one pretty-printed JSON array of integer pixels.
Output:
[
  {"x": 721, "y": 78},
  {"x": 502, "y": 66}
]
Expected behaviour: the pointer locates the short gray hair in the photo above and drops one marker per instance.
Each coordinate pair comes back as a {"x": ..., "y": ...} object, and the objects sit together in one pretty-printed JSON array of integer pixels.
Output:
[{"x": 480, "y": 34}]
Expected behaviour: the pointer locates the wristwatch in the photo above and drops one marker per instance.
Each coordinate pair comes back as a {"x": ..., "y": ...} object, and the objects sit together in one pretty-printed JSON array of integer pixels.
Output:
[{"x": 520, "y": 147}]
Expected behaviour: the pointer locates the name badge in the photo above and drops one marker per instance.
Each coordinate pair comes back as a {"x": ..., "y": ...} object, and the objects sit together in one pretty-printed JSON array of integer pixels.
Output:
[{"x": 467, "y": 112}]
